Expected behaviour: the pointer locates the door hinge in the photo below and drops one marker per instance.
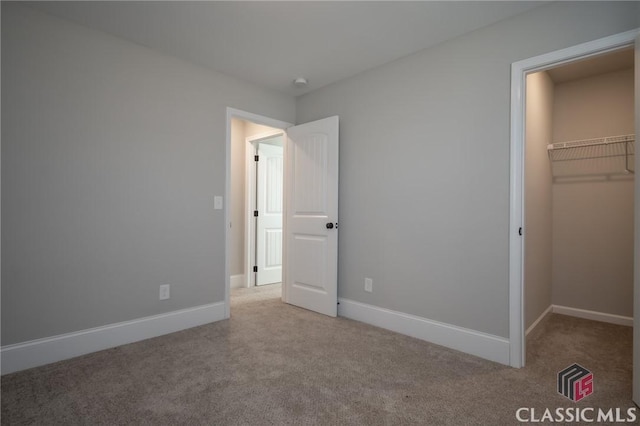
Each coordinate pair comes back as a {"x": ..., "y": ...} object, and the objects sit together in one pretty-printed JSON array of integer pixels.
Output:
[
  {"x": 256, "y": 158},
  {"x": 255, "y": 269},
  {"x": 520, "y": 231},
  {"x": 255, "y": 213}
]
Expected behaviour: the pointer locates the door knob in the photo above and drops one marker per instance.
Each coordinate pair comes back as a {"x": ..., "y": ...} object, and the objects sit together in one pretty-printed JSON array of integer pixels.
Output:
[{"x": 329, "y": 225}]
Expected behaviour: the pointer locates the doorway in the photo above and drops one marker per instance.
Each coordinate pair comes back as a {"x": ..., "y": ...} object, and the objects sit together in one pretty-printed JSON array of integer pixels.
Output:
[
  {"x": 579, "y": 193},
  {"x": 520, "y": 70},
  {"x": 256, "y": 204},
  {"x": 579, "y": 190},
  {"x": 310, "y": 220},
  {"x": 264, "y": 208},
  {"x": 243, "y": 128}
]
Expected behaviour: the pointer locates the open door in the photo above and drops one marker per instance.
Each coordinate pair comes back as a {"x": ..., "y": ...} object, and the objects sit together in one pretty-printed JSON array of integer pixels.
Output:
[
  {"x": 636, "y": 269},
  {"x": 269, "y": 207},
  {"x": 311, "y": 250}
]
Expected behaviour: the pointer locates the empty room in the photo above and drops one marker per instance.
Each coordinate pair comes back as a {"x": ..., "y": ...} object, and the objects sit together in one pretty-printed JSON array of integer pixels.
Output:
[{"x": 316, "y": 213}]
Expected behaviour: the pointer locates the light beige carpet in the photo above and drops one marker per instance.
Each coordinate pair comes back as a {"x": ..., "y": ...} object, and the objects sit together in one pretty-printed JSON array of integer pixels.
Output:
[{"x": 275, "y": 364}]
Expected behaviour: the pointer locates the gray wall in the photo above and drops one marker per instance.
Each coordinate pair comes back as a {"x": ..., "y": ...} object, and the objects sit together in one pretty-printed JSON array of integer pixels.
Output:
[
  {"x": 111, "y": 156},
  {"x": 424, "y": 165},
  {"x": 593, "y": 217},
  {"x": 538, "y": 248}
]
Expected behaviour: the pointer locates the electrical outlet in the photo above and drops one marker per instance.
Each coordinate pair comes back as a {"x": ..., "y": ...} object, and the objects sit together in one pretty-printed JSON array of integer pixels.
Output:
[
  {"x": 165, "y": 292},
  {"x": 368, "y": 285}
]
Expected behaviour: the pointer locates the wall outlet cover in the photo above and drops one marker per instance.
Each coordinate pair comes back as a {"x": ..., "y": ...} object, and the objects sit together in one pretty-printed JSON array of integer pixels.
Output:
[
  {"x": 165, "y": 292},
  {"x": 368, "y": 285}
]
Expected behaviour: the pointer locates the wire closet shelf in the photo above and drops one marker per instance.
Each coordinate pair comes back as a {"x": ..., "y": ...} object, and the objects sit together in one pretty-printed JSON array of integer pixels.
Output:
[{"x": 622, "y": 147}]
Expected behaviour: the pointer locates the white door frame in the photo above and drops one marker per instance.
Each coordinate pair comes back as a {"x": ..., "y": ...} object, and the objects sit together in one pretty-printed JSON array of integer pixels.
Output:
[
  {"x": 258, "y": 119},
  {"x": 519, "y": 70},
  {"x": 636, "y": 270},
  {"x": 250, "y": 201}
]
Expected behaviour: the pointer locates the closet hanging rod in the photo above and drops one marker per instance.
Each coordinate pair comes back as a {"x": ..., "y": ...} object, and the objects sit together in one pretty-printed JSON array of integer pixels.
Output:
[
  {"x": 593, "y": 157},
  {"x": 583, "y": 143}
]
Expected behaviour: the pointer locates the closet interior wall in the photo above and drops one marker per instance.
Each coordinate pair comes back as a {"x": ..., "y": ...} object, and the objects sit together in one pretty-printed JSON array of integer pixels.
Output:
[
  {"x": 593, "y": 216},
  {"x": 538, "y": 181}
]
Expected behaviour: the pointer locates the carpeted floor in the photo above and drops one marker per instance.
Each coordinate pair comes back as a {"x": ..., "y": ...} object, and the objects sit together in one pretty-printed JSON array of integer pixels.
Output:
[{"x": 275, "y": 364}]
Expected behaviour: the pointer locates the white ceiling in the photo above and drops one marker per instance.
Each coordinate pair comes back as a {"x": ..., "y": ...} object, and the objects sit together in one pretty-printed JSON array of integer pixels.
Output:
[
  {"x": 601, "y": 64},
  {"x": 271, "y": 43}
]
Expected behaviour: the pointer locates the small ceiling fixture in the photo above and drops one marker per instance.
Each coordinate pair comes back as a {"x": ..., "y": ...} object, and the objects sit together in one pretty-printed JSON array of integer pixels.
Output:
[{"x": 300, "y": 82}]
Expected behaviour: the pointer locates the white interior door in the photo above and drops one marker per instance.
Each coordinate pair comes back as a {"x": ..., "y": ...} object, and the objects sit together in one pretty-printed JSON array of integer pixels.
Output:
[
  {"x": 269, "y": 191},
  {"x": 311, "y": 251}
]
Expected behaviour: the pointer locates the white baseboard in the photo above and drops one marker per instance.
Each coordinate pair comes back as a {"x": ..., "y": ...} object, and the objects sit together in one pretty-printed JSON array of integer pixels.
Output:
[
  {"x": 238, "y": 281},
  {"x": 487, "y": 346},
  {"x": 540, "y": 318},
  {"x": 593, "y": 315},
  {"x": 38, "y": 352}
]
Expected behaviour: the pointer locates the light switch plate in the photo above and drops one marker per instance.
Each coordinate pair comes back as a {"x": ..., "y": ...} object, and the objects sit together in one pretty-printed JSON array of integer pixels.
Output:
[{"x": 217, "y": 202}]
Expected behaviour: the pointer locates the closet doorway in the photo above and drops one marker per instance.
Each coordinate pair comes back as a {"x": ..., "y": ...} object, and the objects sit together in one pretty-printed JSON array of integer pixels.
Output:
[
  {"x": 518, "y": 234},
  {"x": 579, "y": 185},
  {"x": 579, "y": 190}
]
